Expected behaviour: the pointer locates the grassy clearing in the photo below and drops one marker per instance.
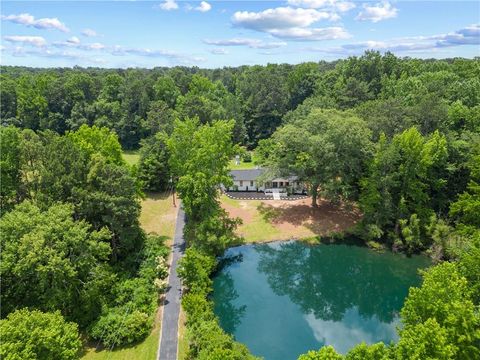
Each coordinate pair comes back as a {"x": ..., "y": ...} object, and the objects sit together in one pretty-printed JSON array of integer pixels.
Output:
[
  {"x": 131, "y": 156},
  {"x": 269, "y": 220},
  {"x": 158, "y": 215},
  {"x": 244, "y": 165}
]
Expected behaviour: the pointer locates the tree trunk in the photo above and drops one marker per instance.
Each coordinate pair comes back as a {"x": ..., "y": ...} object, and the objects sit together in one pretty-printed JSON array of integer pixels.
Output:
[{"x": 314, "y": 192}]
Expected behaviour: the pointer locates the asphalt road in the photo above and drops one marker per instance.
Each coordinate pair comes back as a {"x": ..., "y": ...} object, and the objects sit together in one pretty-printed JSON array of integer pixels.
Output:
[{"x": 171, "y": 309}]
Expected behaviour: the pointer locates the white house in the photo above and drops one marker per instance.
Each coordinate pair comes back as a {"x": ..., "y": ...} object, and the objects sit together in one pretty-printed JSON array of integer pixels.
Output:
[{"x": 249, "y": 180}]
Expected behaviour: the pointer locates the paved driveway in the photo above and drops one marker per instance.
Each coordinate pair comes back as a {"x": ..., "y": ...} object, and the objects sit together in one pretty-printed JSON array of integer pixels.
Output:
[{"x": 171, "y": 309}]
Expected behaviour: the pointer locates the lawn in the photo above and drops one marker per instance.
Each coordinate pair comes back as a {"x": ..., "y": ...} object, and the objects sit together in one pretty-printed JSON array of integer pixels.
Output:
[
  {"x": 158, "y": 215},
  {"x": 244, "y": 165},
  {"x": 146, "y": 349},
  {"x": 269, "y": 220},
  {"x": 131, "y": 156}
]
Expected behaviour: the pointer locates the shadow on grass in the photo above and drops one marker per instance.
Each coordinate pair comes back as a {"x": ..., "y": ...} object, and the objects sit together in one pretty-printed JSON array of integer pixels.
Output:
[
  {"x": 323, "y": 219},
  {"x": 157, "y": 195}
]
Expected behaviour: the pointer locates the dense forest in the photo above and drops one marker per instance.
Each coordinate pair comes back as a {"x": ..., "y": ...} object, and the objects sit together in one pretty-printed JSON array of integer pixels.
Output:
[{"x": 398, "y": 138}]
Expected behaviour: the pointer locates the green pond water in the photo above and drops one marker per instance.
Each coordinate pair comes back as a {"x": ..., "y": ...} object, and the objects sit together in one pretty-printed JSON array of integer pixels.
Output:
[{"x": 285, "y": 298}]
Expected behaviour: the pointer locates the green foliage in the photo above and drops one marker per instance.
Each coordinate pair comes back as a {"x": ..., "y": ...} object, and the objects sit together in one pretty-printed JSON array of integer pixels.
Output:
[
  {"x": 9, "y": 166},
  {"x": 327, "y": 149},
  {"x": 199, "y": 158},
  {"x": 94, "y": 140},
  {"x": 52, "y": 262},
  {"x": 153, "y": 168},
  {"x": 404, "y": 176},
  {"x": 119, "y": 326},
  {"x": 128, "y": 316},
  {"x": 325, "y": 353},
  {"x": 445, "y": 298},
  {"x": 194, "y": 269},
  {"x": 33, "y": 335}
]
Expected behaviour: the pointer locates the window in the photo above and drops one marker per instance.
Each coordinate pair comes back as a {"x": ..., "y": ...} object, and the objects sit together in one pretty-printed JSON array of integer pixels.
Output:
[
  {"x": 287, "y": 183},
  {"x": 251, "y": 183},
  {"x": 274, "y": 184},
  {"x": 281, "y": 183},
  {"x": 241, "y": 182}
]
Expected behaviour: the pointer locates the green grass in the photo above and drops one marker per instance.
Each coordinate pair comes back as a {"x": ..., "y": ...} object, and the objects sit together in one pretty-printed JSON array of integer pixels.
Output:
[
  {"x": 244, "y": 165},
  {"x": 146, "y": 350},
  {"x": 131, "y": 156},
  {"x": 258, "y": 228}
]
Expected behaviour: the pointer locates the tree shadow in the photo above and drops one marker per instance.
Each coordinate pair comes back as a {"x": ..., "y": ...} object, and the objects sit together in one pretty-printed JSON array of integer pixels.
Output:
[
  {"x": 324, "y": 219},
  {"x": 230, "y": 315}
]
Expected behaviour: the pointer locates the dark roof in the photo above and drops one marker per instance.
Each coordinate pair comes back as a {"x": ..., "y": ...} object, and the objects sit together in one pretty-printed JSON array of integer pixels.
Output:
[{"x": 246, "y": 174}]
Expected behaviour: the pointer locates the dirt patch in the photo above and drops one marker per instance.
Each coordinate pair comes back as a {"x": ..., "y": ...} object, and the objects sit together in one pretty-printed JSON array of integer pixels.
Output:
[
  {"x": 264, "y": 220},
  {"x": 288, "y": 215}
]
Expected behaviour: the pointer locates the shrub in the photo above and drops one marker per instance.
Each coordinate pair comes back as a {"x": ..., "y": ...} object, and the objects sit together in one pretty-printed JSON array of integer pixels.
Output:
[
  {"x": 121, "y": 326},
  {"x": 34, "y": 335}
]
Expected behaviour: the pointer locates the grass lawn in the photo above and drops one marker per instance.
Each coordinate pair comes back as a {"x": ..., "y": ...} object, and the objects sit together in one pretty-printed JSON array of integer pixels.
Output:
[
  {"x": 269, "y": 220},
  {"x": 131, "y": 156},
  {"x": 158, "y": 215},
  {"x": 182, "y": 336},
  {"x": 146, "y": 349},
  {"x": 243, "y": 165}
]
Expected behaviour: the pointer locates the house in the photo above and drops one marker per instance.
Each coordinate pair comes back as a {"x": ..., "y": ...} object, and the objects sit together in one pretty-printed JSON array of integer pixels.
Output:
[{"x": 251, "y": 180}]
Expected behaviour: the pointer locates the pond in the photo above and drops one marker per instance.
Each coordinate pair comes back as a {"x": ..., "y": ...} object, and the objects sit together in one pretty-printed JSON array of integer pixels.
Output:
[{"x": 285, "y": 298}]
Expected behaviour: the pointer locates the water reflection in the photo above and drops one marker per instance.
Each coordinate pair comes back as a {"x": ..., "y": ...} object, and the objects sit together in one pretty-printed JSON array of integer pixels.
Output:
[
  {"x": 283, "y": 299},
  {"x": 328, "y": 280},
  {"x": 224, "y": 304}
]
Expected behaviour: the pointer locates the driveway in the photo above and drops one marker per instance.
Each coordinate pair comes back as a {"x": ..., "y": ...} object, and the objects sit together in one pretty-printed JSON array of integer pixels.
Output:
[{"x": 171, "y": 309}]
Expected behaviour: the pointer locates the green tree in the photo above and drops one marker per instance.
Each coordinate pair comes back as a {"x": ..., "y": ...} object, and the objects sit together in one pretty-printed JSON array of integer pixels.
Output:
[
  {"x": 153, "y": 168},
  {"x": 52, "y": 262},
  {"x": 95, "y": 140},
  {"x": 33, "y": 335},
  {"x": 327, "y": 149},
  {"x": 445, "y": 298},
  {"x": 166, "y": 90},
  {"x": 9, "y": 166},
  {"x": 199, "y": 158}
]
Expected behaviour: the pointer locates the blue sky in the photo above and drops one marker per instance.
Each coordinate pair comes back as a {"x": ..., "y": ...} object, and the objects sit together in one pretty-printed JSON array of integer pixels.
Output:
[{"x": 231, "y": 33}]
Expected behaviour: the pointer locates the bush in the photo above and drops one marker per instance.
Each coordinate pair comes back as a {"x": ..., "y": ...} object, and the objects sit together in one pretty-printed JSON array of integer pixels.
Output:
[
  {"x": 194, "y": 269},
  {"x": 247, "y": 157},
  {"x": 34, "y": 335},
  {"x": 121, "y": 326}
]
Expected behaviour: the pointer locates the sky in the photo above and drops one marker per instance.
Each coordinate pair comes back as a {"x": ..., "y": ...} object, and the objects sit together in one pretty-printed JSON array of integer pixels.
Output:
[{"x": 210, "y": 34}]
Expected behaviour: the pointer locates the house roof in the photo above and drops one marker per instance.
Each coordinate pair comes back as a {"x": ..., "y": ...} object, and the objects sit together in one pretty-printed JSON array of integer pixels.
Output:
[
  {"x": 246, "y": 174},
  {"x": 253, "y": 174}
]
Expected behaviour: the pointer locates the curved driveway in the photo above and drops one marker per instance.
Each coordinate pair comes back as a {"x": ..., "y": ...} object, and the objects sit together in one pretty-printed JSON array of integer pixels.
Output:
[{"x": 171, "y": 309}]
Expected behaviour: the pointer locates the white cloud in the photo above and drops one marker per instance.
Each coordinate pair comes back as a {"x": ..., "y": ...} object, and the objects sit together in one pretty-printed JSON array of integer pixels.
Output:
[
  {"x": 289, "y": 23},
  {"x": 203, "y": 7},
  {"x": 30, "y": 40},
  {"x": 251, "y": 43},
  {"x": 312, "y": 34},
  {"x": 279, "y": 18},
  {"x": 338, "y": 5},
  {"x": 218, "y": 51},
  {"x": 30, "y": 21},
  {"x": 168, "y": 5},
  {"x": 377, "y": 12},
  {"x": 89, "y": 33},
  {"x": 74, "y": 40},
  {"x": 469, "y": 35}
]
